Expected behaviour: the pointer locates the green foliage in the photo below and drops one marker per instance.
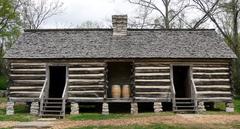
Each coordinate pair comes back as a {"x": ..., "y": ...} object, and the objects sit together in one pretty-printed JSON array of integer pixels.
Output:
[
  {"x": 3, "y": 82},
  {"x": 237, "y": 104}
]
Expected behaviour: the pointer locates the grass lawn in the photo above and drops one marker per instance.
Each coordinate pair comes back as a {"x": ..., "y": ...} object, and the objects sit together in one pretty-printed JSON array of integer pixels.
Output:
[
  {"x": 21, "y": 112},
  {"x": 98, "y": 116}
]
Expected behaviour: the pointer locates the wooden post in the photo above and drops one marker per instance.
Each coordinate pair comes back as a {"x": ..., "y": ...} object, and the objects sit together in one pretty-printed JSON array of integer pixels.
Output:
[
  {"x": 229, "y": 107},
  {"x": 10, "y": 108}
]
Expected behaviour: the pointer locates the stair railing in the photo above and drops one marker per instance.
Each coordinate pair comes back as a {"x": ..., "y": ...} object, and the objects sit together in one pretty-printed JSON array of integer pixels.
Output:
[
  {"x": 193, "y": 90},
  {"x": 43, "y": 94},
  {"x": 64, "y": 96},
  {"x": 173, "y": 89}
]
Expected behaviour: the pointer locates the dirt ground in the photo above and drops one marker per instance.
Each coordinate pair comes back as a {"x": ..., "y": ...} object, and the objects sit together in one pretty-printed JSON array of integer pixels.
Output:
[{"x": 183, "y": 119}]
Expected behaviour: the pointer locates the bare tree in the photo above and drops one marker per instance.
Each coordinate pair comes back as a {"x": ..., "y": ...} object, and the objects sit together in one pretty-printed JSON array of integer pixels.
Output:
[
  {"x": 168, "y": 10},
  {"x": 226, "y": 18},
  {"x": 90, "y": 24},
  {"x": 35, "y": 12}
]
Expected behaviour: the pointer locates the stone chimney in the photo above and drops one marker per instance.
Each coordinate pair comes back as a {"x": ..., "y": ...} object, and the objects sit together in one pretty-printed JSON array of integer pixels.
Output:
[{"x": 119, "y": 23}]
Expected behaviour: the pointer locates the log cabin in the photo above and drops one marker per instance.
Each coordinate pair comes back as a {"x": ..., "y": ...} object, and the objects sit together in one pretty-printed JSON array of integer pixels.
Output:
[{"x": 52, "y": 67}]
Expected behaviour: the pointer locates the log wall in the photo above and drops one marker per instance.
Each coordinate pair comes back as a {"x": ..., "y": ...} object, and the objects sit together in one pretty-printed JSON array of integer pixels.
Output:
[
  {"x": 152, "y": 81},
  {"x": 26, "y": 79},
  {"x": 86, "y": 81},
  {"x": 212, "y": 81}
]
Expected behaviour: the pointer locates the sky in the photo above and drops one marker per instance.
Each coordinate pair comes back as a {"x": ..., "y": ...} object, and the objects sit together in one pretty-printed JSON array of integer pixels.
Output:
[{"x": 77, "y": 11}]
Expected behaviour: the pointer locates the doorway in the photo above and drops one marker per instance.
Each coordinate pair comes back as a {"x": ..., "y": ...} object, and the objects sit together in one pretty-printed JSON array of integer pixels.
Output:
[
  {"x": 181, "y": 79},
  {"x": 57, "y": 80}
]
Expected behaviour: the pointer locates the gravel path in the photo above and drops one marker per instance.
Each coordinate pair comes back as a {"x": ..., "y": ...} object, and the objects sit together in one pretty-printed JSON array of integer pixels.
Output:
[{"x": 171, "y": 119}]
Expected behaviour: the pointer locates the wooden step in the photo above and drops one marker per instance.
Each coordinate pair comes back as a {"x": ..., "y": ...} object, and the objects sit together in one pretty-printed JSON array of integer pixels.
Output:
[
  {"x": 55, "y": 111},
  {"x": 52, "y": 106},
  {"x": 52, "y": 103}
]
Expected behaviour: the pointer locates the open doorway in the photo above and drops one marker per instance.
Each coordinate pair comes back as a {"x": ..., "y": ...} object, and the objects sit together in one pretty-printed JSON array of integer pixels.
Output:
[
  {"x": 57, "y": 80},
  {"x": 181, "y": 80},
  {"x": 119, "y": 73}
]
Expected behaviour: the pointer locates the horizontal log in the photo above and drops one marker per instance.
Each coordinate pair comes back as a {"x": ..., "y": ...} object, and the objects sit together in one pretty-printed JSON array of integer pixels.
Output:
[
  {"x": 151, "y": 68},
  {"x": 197, "y": 83},
  {"x": 28, "y": 76},
  {"x": 26, "y": 71},
  {"x": 85, "y": 99},
  {"x": 211, "y": 65},
  {"x": 24, "y": 99},
  {"x": 153, "y": 83},
  {"x": 213, "y": 95},
  {"x": 95, "y": 64},
  {"x": 85, "y": 88},
  {"x": 150, "y": 87},
  {"x": 151, "y": 64},
  {"x": 152, "y": 90},
  {"x": 214, "y": 92},
  {"x": 211, "y": 79},
  {"x": 25, "y": 88},
  {"x": 85, "y": 93},
  {"x": 215, "y": 99},
  {"x": 86, "y": 76},
  {"x": 210, "y": 76},
  {"x": 24, "y": 94},
  {"x": 87, "y": 72},
  {"x": 25, "y": 63},
  {"x": 30, "y": 66},
  {"x": 87, "y": 69},
  {"x": 152, "y": 74},
  {"x": 148, "y": 80},
  {"x": 218, "y": 68},
  {"x": 152, "y": 77},
  {"x": 85, "y": 81},
  {"x": 213, "y": 86},
  {"x": 154, "y": 95},
  {"x": 29, "y": 81}
]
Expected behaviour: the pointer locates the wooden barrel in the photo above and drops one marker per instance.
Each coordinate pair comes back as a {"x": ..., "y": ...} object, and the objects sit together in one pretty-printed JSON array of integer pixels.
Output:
[
  {"x": 126, "y": 91},
  {"x": 116, "y": 91}
]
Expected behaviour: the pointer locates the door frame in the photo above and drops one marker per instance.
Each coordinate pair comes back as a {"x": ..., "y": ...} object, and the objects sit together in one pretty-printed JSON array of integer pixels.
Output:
[
  {"x": 48, "y": 65},
  {"x": 190, "y": 75}
]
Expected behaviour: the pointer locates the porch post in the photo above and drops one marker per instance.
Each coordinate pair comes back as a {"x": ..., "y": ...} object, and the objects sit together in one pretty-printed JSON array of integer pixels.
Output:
[
  {"x": 105, "y": 109},
  {"x": 134, "y": 108},
  {"x": 157, "y": 106},
  {"x": 10, "y": 108},
  {"x": 201, "y": 107},
  {"x": 34, "y": 108},
  {"x": 229, "y": 107},
  {"x": 74, "y": 108}
]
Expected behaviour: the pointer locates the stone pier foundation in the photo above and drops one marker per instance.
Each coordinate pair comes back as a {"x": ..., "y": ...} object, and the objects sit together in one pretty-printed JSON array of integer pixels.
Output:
[
  {"x": 229, "y": 107},
  {"x": 105, "y": 109},
  {"x": 74, "y": 108},
  {"x": 34, "y": 108},
  {"x": 134, "y": 108},
  {"x": 10, "y": 108},
  {"x": 201, "y": 107},
  {"x": 157, "y": 106}
]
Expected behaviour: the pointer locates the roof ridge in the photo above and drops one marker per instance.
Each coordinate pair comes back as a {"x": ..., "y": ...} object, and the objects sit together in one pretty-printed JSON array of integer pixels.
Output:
[{"x": 110, "y": 29}]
